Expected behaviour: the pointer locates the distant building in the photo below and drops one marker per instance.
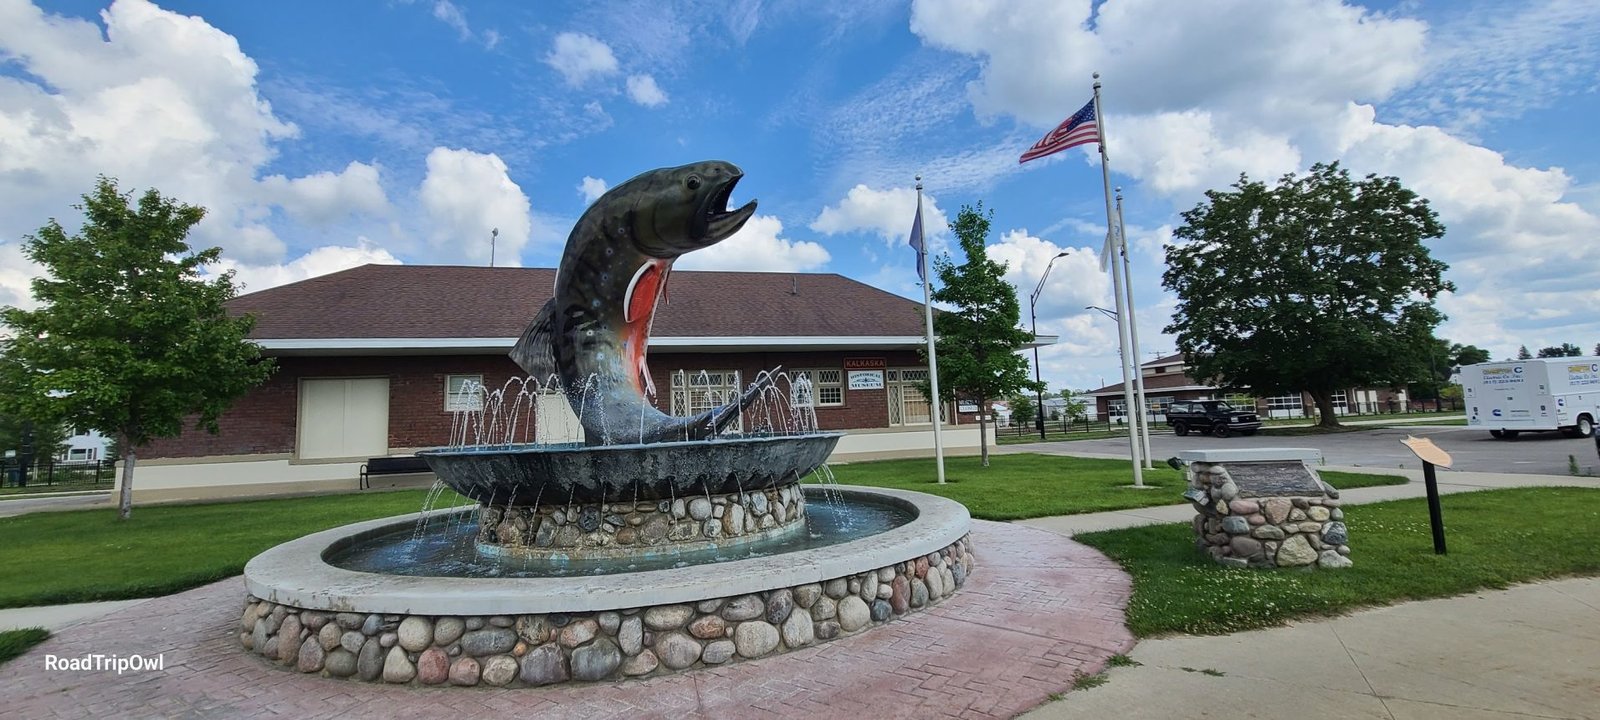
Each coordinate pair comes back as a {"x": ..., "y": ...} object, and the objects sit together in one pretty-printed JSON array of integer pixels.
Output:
[
  {"x": 1166, "y": 379},
  {"x": 85, "y": 446}
]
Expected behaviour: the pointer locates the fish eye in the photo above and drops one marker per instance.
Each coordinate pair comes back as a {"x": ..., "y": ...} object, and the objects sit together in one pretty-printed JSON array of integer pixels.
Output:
[{"x": 693, "y": 182}]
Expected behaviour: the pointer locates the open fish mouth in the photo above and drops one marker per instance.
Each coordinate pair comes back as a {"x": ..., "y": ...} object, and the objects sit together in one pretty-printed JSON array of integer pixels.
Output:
[{"x": 715, "y": 221}]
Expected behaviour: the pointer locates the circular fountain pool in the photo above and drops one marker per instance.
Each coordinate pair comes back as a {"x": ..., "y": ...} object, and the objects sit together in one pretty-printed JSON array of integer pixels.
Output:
[{"x": 373, "y": 602}]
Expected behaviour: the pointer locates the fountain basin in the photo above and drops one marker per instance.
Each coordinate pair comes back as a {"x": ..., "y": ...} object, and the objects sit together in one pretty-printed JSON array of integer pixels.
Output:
[
  {"x": 520, "y": 475},
  {"x": 543, "y": 630}
]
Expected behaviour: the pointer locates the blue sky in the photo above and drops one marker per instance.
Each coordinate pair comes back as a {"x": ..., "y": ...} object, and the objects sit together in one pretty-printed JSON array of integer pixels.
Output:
[{"x": 325, "y": 135}]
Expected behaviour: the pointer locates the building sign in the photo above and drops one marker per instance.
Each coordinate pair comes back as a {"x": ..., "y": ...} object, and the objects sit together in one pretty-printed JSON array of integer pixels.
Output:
[
  {"x": 865, "y": 379},
  {"x": 1583, "y": 374},
  {"x": 865, "y": 363},
  {"x": 967, "y": 408},
  {"x": 1502, "y": 375}
]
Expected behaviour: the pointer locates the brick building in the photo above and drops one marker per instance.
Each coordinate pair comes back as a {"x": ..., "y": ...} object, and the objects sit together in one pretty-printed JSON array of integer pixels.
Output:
[
  {"x": 373, "y": 360},
  {"x": 1166, "y": 380}
]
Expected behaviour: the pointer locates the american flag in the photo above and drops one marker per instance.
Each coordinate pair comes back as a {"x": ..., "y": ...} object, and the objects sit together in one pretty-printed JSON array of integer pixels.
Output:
[{"x": 1077, "y": 130}]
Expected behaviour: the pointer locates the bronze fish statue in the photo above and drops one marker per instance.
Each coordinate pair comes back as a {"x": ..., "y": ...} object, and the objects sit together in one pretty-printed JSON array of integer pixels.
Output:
[{"x": 593, "y": 332}]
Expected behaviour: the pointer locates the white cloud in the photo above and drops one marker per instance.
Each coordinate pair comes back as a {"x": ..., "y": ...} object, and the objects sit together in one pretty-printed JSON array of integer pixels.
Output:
[
  {"x": 889, "y": 213},
  {"x": 161, "y": 100},
  {"x": 1075, "y": 280},
  {"x": 758, "y": 246},
  {"x": 1286, "y": 84},
  {"x": 643, "y": 90},
  {"x": 467, "y": 194},
  {"x": 581, "y": 58},
  {"x": 327, "y": 197},
  {"x": 591, "y": 188},
  {"x": 320, "y": 261}
]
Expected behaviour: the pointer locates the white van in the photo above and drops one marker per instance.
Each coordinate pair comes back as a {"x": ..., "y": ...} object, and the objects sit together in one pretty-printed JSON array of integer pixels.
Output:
[{"x": 1539, "y": 395}]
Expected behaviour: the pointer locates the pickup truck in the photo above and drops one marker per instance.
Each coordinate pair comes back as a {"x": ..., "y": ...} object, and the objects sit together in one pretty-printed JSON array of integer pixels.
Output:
[{"x": 1216, "y": 417}]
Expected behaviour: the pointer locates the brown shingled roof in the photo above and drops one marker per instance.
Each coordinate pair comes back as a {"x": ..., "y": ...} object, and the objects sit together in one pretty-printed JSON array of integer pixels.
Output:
[{"x": 432, "y": 301}]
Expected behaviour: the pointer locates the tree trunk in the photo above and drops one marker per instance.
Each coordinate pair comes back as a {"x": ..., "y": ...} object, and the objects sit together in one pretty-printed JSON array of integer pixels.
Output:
[
  {"x": 125, "y": 497},
  {"x": 983, "y": 429},
  {"x": 1324, "y": 400}
]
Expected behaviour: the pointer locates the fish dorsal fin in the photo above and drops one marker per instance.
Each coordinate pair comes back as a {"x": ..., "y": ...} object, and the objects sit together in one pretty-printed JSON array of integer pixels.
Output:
[{"x": 533, "y": 351}]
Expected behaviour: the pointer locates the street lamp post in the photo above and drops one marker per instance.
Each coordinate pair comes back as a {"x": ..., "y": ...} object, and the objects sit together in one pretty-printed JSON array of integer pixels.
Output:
[{"x": 1033, "y": 317}]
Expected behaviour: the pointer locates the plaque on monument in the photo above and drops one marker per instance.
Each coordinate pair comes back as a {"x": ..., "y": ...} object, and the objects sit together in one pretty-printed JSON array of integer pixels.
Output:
[{"x": 1274, "y": 479}]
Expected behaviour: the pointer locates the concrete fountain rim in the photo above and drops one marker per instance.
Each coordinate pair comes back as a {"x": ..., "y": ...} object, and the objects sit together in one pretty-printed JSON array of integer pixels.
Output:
[{"x": 294, "y": 573}]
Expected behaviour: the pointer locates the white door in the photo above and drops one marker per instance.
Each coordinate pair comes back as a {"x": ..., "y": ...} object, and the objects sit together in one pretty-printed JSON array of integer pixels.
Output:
[
  {"x": 554, "y": 421},
  {"x": 344, "y": 418}
]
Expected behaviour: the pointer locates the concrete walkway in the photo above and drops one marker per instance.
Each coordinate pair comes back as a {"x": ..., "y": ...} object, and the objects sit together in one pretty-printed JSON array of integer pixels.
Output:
[
  {"x": 1532, "y": 651},
  {"x": 1449, "y": 482},
  {"x": 1529, "y": 652},
  {"x": 56, "y": 617}
]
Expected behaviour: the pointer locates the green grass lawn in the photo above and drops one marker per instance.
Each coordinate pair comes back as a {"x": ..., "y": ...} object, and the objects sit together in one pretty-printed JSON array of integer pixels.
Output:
[
  {"x": 13, "y": 643},
  {"x": 1496, "y": 538},
  {"x": 1021, "y": 486},
  {"x": 39, "y": 489},
  {"x": 79, "y": 556}
]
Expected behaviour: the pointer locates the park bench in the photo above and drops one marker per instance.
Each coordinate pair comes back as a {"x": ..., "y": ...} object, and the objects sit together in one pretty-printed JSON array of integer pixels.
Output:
[{"x": 407, "y": 465}]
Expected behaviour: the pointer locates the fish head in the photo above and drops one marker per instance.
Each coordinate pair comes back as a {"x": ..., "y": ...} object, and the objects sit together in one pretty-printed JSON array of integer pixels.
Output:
[{"x": 686, "y": 208}]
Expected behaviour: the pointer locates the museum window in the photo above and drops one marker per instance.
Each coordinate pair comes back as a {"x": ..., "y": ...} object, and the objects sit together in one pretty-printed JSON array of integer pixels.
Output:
[
  {"x": 694, "y": 392},
  {"x": 827, "y": 386},
  {"x": 463, "y": 393}
]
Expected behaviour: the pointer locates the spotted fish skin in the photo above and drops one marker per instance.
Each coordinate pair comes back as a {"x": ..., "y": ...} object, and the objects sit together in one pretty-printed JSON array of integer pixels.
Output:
[{"x": 593, "y": 333}]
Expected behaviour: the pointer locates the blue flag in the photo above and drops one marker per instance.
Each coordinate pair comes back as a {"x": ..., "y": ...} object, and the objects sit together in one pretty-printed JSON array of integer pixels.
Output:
[{"x": 916, "y": 239}]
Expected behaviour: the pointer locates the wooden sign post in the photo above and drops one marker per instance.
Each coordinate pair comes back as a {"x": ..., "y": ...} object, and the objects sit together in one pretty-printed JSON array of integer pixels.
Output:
[{"x": 1431, "y": 455}]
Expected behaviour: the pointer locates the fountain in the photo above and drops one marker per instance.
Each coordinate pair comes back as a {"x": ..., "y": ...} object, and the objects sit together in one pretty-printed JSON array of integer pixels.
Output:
[{"x": 657, "y": 544}]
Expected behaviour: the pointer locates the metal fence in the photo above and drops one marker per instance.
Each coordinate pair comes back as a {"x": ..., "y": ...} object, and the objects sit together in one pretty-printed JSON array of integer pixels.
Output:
[{"x": 51, "y": 473}]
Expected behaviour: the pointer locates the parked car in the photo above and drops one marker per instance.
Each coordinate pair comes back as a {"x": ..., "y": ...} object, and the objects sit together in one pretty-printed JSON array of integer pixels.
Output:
[{"x": 1217, "y": 417}]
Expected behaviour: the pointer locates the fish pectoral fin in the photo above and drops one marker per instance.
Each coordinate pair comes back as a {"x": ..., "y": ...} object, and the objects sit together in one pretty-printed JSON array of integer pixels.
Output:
[{"x": 533, "y": 351}]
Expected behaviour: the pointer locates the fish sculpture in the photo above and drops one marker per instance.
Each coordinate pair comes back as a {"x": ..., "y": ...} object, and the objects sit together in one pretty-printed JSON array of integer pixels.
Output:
[{"x": 593, "y": 332}]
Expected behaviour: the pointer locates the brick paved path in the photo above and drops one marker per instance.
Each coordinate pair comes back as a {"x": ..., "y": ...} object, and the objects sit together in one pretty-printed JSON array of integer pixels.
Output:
[{"x": 1038, "y": 609}]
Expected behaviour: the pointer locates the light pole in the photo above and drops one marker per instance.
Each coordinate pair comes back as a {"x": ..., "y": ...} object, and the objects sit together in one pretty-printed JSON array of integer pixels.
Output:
[
  {"x": 493, "y": 236},
  {"x": 1033, "y": 317}
]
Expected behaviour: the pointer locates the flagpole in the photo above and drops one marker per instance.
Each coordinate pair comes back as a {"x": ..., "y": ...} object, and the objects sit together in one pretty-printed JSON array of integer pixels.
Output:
[
  {"x": 1116, "y": 279},
  {"x": 1133, "y": 338},
  {"x": 934, "y": 403}
]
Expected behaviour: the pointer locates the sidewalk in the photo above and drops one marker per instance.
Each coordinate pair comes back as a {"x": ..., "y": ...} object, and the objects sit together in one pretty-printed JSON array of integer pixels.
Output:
[
  {"x": 1529, "y": 652},
  {"x": 1532, "y": 651},
  {"x": 1449, "y": 482},
  {"x": 56, "y": 617}
]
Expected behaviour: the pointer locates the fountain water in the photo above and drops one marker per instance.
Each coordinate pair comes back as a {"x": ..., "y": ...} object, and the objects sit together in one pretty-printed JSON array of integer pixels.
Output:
[{"x": 694, "y": 528}]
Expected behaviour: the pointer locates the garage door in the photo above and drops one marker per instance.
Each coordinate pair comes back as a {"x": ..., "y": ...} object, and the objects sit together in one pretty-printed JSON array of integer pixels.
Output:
[{"x": 344, "y": 418}]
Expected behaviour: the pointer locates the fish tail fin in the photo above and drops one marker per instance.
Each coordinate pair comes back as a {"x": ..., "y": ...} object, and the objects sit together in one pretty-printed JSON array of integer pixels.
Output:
[{"x": 533, "y": 351}]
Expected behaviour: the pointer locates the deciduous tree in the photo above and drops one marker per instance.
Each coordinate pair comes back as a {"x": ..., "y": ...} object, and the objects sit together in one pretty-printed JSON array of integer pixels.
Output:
[
  {"x": 1316, "y": 284},
  {"x": 129, "y": 337},
  {"x": 979, "y": 338}
]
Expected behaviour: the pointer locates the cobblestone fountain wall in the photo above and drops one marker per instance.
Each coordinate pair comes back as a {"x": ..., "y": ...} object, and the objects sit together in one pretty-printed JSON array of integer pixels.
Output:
[
  {"x": 623, "y": 528},
  {"x": 1248, "y": 525},
  {"x": 534, "y": 650}
]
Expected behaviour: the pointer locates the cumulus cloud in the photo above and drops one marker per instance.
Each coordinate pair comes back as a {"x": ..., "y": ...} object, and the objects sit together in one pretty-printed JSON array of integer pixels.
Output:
[
  {"x": 888, "y": 213},
  {"x": 327, "y": 197},
  {"x": 643, "y": 90},
  {"x": 591, "y": 188},
  {"x": 320, "y": 261},
  {"x": 758, "y": 246},
  {"x": 1075, "y": 280},
  {"x": 581, "y": 58},
  {"x": 466, "y": 195},
  {"x": 1286, "y": 84}
]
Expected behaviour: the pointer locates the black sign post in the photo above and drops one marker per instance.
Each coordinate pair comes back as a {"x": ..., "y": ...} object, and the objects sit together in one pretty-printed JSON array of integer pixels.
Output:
[{"x": 1431, "y": 455}]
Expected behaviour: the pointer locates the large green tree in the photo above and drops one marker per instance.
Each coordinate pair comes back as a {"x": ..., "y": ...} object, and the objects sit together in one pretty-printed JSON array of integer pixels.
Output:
[
  {"x": 128, "y": 337},
  {"x": 1316, "y": 284},
  {"x": 978, "y": 340}
]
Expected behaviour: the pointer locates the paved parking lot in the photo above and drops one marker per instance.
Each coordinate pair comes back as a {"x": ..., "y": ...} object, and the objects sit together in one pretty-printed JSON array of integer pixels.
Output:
[{"x": 1472, "y": 449}]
